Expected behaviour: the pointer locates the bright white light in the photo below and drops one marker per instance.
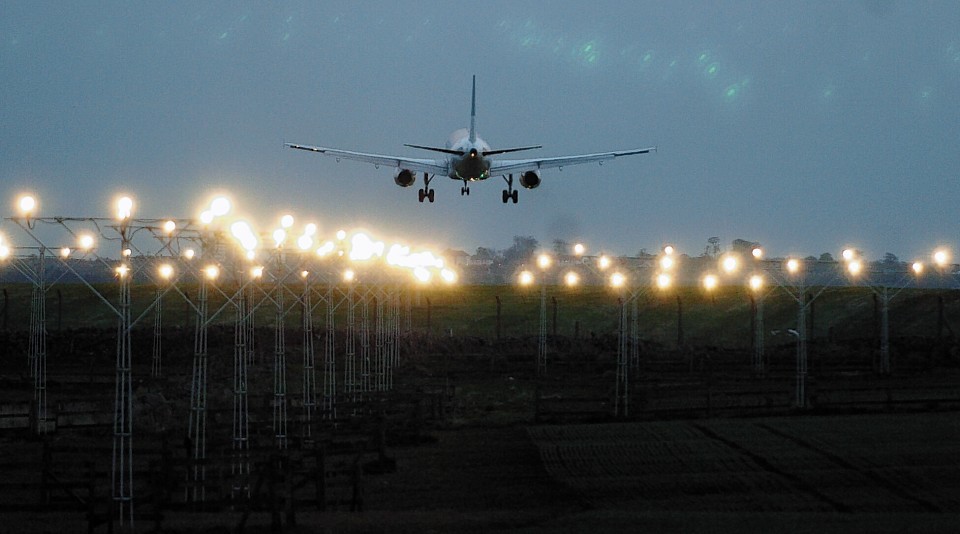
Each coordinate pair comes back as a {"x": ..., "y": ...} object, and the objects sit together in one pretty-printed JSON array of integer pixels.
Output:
[
  {"x": 729, "y": 264},
  {"x": 304, "y": 274},
  {"x": 4, "y": 252},
  {"x": 86, "y": 242},
  {"x": 663, "y": 281},
  {"x": 165, "y": 270},
  {"x": 793, "y": 265},
  {"x": 189, "y": 253},
  {"x": 854, "y": 266},
  {"x": 917, "y": 267},
  {"x": 544, "y": 261},
  {"x": 579, "y": 249},
  {"x": 526, "y": 278},
  {"x": 847, "y": 254},
  {"x": 310, "y": 229},
  {"x": 122, "y": 270},
  {"x": 305, "y": 242},
  {"x": 286, "y": 221},
  {"x": 941, "y": 257},
  {"x": 251, "y": 255},
  {"x": 668, "y": 250},
  {"x": 257, "y": 271},
  {"x": 756, "y": 282},
  {"x": 341, "y": 235},
  {"x": 571, "y": 279},
  {"x": 27, "y": 204},
  {"x": 220, "y": 206},
  {"x": 325, "y": 249},
  {"x": 211, "y": 271},
  {"x": 243, "y": 233},
  {"x": 279, "y": 236},
  {"x": 65, "y": 252},
  {"x": 448, "y": 276},
  {"x": 617, "y": 280},
  {"x": 127, "y": 252},
  {"x": 124, "y": 208},
  {"x": 666, "y": 263},
  {"x": 603, "y": 262},
  {"x": 421, "y": 274},
  {"x": 363, "y": 248},
  {"x": 349, "y": 275},
  {"x": 710, "y": 282},
  {"x": 206, "y": 217},
  {"x": 757, "y": 252},
  {"x": 169, "y": 227}
]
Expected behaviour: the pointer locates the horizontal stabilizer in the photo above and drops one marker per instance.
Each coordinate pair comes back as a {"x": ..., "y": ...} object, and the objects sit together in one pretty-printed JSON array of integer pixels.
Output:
[
  {"x": 505, "y": 150},
  {"x": 435, "y": 149}
]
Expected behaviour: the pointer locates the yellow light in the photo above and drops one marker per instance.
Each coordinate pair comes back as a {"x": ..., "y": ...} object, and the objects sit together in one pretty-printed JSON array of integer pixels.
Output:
[
  {"x": 304, "y": 274},
  {"x": 579, "y": 249},
  {"x": 4, "y": 252},
  {"x": 242, "y": 232},
  {"x": 710, "y": 282},
  {"x": 189, "y": 253},
  {"x": 27, "y": 204},
  {"x": 325, "y": 249},
  {"x": 666, "y": 263},
  {"x": 544, "y": 261},
  {"x": 310, "y": 229},
  {"x": 571, "y": 279},
  {"x": 341, "y": 235},
  {"x": 448, "y": 276},
  {"x": 279, "y": 235},
  {"x": 220, "y": 206},
  {"x": 349, "y": 275},
  {"x": 854, "y": 267},
  {"x": 211, "y": 271},
  {"x": 65, "y": 252},
  {"x": 305, "y": 242},
  {"x": 257, "y": 271},
  {"x": 756, "y": 282},
  {"x": 663, "y": 281},
  {"x": 757, "y": 253},
  {"x": 122, "y": 270},
  {"x": 617, "y": 280},
  {"x": 421, "y": 274},
  {"x": 86, "y": 242},
  {"x": 124, "y": 208},
  {"x": 169, "y": 227},
  {"x": 206, "y": 217},
  {"x": 127, "y": 252},
  {"x": 165, "y": 270},
  {"x": 941, "y": 257},
  {"x": 362, "y": 248},
  {"x": 526, "y": 278},
  {"x": 603, "y": 262},
  {"x": 847, "y": 254},
  {"x": 668, "y": 250},
  {"x": 917, "y": 267},
  {"x": 729, "y": 263},
  {"x": 251, "y": 254},
  {"x": 793, "y": 265},
  {"x": 286, "y": 221}
]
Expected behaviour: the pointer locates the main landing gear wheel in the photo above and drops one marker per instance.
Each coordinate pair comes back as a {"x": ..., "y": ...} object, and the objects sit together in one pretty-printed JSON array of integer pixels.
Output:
[
  {"x": 510, "y": 195},
  {"x": 423, "y": 194}
]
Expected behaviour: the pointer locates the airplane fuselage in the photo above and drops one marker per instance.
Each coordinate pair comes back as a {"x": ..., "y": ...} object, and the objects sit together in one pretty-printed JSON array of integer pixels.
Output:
[{"x": 472, "y": 166}]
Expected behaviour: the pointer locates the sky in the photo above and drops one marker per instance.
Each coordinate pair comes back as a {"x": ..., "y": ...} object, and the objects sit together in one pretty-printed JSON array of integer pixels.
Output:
[{"x": 805, "y": 126}]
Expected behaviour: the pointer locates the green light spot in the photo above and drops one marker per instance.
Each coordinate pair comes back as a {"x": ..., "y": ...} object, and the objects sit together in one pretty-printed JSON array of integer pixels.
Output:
[
  {"x": 223, "y": 35},
  {"x": 704, "y": 57},
  {"x": 647, "y": 57},
  {"x": 731, "y": 92},
  {"x": 711, "y": 70}
]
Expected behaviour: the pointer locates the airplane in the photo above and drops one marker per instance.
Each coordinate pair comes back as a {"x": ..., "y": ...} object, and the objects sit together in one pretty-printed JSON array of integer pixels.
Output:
[{"x": 468, "y": 159}]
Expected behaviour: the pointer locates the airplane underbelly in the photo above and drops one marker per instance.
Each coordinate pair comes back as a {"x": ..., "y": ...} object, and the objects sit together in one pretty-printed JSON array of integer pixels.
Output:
[{"x": 471, "y": 171}]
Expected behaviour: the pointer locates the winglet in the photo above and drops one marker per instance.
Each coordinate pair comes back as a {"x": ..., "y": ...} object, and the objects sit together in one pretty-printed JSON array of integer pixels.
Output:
[{"x": 473, "y": 112}]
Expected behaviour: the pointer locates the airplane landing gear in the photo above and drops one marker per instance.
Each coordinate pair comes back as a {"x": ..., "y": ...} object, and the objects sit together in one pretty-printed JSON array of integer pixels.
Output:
[
  {"x": 509, "y": 193},
  {"x": 465, "y": 190},
  {"x": 426, "y": 192}
]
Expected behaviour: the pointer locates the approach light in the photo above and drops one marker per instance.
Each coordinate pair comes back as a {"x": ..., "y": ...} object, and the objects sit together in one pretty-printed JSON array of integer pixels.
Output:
[
  {"x": 603, "y": 262},
  {"x": 349, "y": 275},
  {"x": 544, "y": 261},
  {"x": 663, "y": 280},
  {"x": 206, "y": 217},
  {"x": 122, "y": 270},
  {"x": 917, "y": 267},
  {"x": 854, "y": 267},
  {"x": 286, "y": 221},
  {"x": 341, "y": 235},
  {"x": 793, "y": 265},
  {"x": 243, "y": 233},
  {"x": 250, "y": 255},
  {"x": 165, "y": 271},
  {"x": 617, "y": 280},
  {"x": 579, "y": 249},
  {"x": 571, "y": 279},
  {"x": 310, "y": 229},
  {"x": 710, "y": 282},
  {"x": 756, "y": 282},
  {"x": 279, "y": 236},
  {"x": 65, "y": 252},
  {"x": 757, "y": 253},
  {"x": 305, "y": 242},
  {"x": 27, "y": 205},
  {"x": 124, "y": 208},
  {"x": 189, "y": 253},
  {"x": 730, "y": 263},
  {"x": 668, "y": 250},
  {"x": 220, "y": 206},
  {"x": 211, "y": 271},
  {"x": 526, "y": 278},
  {"x": 448, "y": 276},
  {"x": 169, "y": 227},
  {"x": 362, "y": 248},
  {"x": 304, "y": 274},
  {"x": 4, "y": 252},
  {"x": 941, "y": 257},
  {"x": 325, "y": 249},
  {"x": 256, "y": 271},
  {"x": 666, "y": 263},
  {"x": 86, "y": 242},
  {"x": 848, "y": 254},
  {"x": 421, "y": 274},
  {"x": 127, "y": 252}
]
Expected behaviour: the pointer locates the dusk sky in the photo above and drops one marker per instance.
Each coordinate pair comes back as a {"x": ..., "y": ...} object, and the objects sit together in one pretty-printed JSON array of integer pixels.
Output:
[{"x": 807, "y": 126}]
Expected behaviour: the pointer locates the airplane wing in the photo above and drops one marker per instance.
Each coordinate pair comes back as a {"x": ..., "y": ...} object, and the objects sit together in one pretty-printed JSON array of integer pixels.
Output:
[
  {"x": 431, "y": 166},
  {"x": 508, "y": 166}
]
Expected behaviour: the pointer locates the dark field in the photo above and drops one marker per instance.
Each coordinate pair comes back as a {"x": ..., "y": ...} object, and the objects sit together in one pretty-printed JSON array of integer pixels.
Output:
[{"x": 469, "y": 439}]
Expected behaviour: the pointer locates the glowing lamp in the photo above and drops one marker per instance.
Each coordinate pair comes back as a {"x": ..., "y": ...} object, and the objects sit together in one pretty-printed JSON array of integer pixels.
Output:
[
  {"x": 571, "y": 279},
  {"x": 710, "y": 282},
  {"x": 304, "y": 274},
  {"x": 847, "y": 254},
  {"x": 668, "y": 250},
  {"x": 421, "y": 274},
  {"x": 127, "y": 252},
  {"x": 310, "y": 229},
  {"x": 169, "y": 227},
  {"x": 341, "y": 235},
  {"x": 86, "y": 242},
  {"x": 304, "y": 242},
  {"x": 27, "y": 205},
  {"x": 349, "y": 275},
  {"x": 286, "y": 221},
  {"x": 189, "y": 253},
  {"x": 603, "y": 262},
  {"x": 122, "y": 270},
  {"x": 756, "y": 282},
  {"x": 211, "y": 272},
  {"x": 793, "y": 265},
  {"x": 579, "y": 249},
  {"x": 256, "y": 272},
  {"x": 4, "y": 252},
  {"x": 941, "y": 257},
  {"x": 917, "y": 267},
  {"x": 757, "y": 253},
  {"x": 65, "y": 252},
  {"x": 544, "y": 261},
  {"x": 663, "y": 281},
  {"x": 526, "y": 278},
  {"x": 279, "y": 235},
  {"x": 617, "y": 280},
  {"x": 165, "y": 271},
  {"x": 124, "y": 208},
  {"x": 206, "y": 217},
  {"x": 854, "y": 267},
  {"x": 448, "y": 276},
  {"x": 666, "y": 263},
  {"x": 220, "y": 206},
  {"x": 729, "y": 264}
]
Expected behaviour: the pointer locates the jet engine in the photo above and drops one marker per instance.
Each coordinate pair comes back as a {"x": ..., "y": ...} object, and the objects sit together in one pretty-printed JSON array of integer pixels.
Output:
[
  {"x": 404, "y": 177},
  {"x": 530, "y": 179}
]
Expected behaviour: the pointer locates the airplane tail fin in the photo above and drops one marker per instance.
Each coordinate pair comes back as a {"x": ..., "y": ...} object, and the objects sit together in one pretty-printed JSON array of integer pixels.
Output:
[{"x": 473, "y": 112}]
